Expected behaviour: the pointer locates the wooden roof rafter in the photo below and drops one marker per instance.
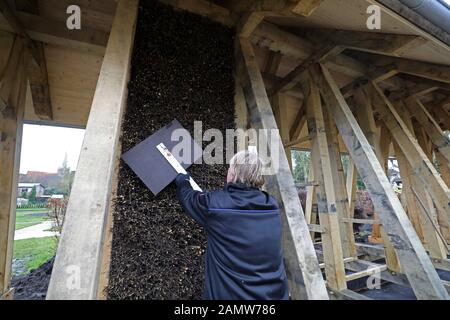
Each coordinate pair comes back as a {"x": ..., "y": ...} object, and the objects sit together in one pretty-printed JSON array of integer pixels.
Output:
[{"x": 37, "y": 71}]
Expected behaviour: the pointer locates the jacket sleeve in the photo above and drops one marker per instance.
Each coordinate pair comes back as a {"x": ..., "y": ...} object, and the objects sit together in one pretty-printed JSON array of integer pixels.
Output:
[{"x": 193, "y": 202}]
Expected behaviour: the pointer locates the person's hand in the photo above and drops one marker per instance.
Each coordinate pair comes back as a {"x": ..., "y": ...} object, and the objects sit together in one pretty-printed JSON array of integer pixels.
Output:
[{"x": 182, "y": 177}]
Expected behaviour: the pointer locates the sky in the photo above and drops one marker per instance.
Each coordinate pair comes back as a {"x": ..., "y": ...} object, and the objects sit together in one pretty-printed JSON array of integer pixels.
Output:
[{"x": 44, "y": 148}]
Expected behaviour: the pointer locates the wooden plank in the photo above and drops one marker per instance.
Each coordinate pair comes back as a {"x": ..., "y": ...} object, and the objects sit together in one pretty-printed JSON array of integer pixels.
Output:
[
  {"x": 342, "y": 206},
  {"x": 436, "y": 242},
  {"x": 438, "y": 111},
  {"x": 17, "y": 27},
  {"x": 6, "y": 82},
  {"x": 431, "y": 127},
  {"x": 207, "y": 9},
  {"x": 366, "y": 120},
  {"x": 280, "y": 109},
  {"x": 443, "y": 164},
  {"x": 422, "y": 167},
  {"x": 80, "y": 246},
  {"x": 351, "y": 186},
  {"x": 278, "y": 40},
  {"x": 387, "y": 275},
  {"x": 361, "y": 221},
  {"x": 420, "y": 221},
  {"x": 293, "y": 77},
  {"x": 11, "y": 127},
  {"x": 405, "y": 172},
  {"x": 381, "y": 43},
  {"x": 316, "y": 228},
  {"x": 366, "y": 273},
  {"x": 9, "y": 295},
  {"x": 413, "y": 257},
  {"x": 424, "y": 69},
  {"x": 346, "y": 260},
  {"x": 38, "y": 77},
  {"x": 56, "y": 33},
  {"x": 299, "y": 122},
  {"x": 310, "y": 213},
  {"x": 298, "y": 141},
  {"x": 108, "y": 236},
  {"x": 301, "y": 261},
  {"x": 348, "y": 295},
  {"x": 329, "y": 215},
  {"x": 40, "y": 89},
  {"x": 249, "y": 22},
  {"x": 306, "y": 7}
]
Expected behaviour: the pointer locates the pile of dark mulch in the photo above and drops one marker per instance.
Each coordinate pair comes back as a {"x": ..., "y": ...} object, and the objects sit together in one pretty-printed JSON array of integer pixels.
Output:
[
  {"x": 182, "y": 68},
  {"x": 34, "y": 285}
]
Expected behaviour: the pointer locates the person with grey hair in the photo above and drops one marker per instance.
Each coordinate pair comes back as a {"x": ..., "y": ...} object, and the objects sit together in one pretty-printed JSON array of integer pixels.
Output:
[{"x": 244, "y": 258}]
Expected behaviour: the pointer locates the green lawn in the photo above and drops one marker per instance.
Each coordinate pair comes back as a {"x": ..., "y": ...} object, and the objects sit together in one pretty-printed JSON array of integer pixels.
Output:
[
  {"x": 29, "y": 254},
  {"x": 29, "y": 217}
]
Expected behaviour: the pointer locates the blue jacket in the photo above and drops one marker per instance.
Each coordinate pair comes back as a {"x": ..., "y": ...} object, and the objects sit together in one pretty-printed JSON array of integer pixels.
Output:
[{"x": 243, "y": 259}]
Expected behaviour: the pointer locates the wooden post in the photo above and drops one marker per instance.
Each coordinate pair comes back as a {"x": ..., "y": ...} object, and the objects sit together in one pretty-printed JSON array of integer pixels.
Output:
[
  {"x": 11, "y": 127},
  {"x": 367, "y": 122},
  {"x": 342, "y": 203},
  {"x": 279, "y": 107},
  {"x": 413, "y": 257},
  {"x": 300, "y": 256},
  {"x": 325, "y": 191},
  {"x": 79, "y": 257},
  {"x": 421, "y": 215},
  {"x": 352, "y": 175}
]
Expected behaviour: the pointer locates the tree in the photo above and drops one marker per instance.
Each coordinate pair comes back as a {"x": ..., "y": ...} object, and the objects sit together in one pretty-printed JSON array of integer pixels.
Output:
[
  {"x": 301, "y": 165},
  {"x": 32, "y": 197},
  {"x": 66, "y": 175}
]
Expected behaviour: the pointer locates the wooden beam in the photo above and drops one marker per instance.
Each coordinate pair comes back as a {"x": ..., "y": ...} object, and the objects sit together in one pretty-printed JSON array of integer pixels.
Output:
[
  {"x": 249, "y": 22},
  {"x": 17, "y": 27},
  {"x": 298, "y": 141},
  {"x": 413, "y": 257},
  {"x": 325, "y": 191},
  {"x": 56, "y": 33},
  {"x": 40, "y": 88},
  {"x": 301, "y": 261},
  {"x": 80, "y": 247},
  {"x": 380, "y": 43},
  {"x": 207, "y": 9},
  {"x": 280, "y": 110},
  {"x": 337, "y": 170},
  {"x": 418, "y": 213},
  {"x": 431, "y": 127},
  {"x": 276, "y": 8},
  {"x": 9, "y": 73},
  {"x": 440, "y": 114},
  {"x": 299, "y": 122},
  {"x": 421, "y": 165},
  {"x": 306, "y": 7},
  {"x": 38, "y": 77},
  {"x": 11, "y": 127},
  {"x": 365, "y": 273},
  {"x": 364, "y": 112},
  {"x": 424, "y": 70},
  {"x": 294, "y": 76}
]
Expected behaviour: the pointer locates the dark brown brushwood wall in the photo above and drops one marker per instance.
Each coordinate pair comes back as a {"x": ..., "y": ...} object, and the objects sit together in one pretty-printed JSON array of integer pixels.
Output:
[{"x": 182, "y": 68}]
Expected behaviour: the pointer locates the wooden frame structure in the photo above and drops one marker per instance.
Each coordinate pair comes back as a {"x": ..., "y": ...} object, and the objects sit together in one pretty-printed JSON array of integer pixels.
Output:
[{"x": 372, "y": 95}]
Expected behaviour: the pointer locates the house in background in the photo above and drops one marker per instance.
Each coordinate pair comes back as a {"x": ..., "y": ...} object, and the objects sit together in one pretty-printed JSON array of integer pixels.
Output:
[{"x": 28, "y": 187}]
